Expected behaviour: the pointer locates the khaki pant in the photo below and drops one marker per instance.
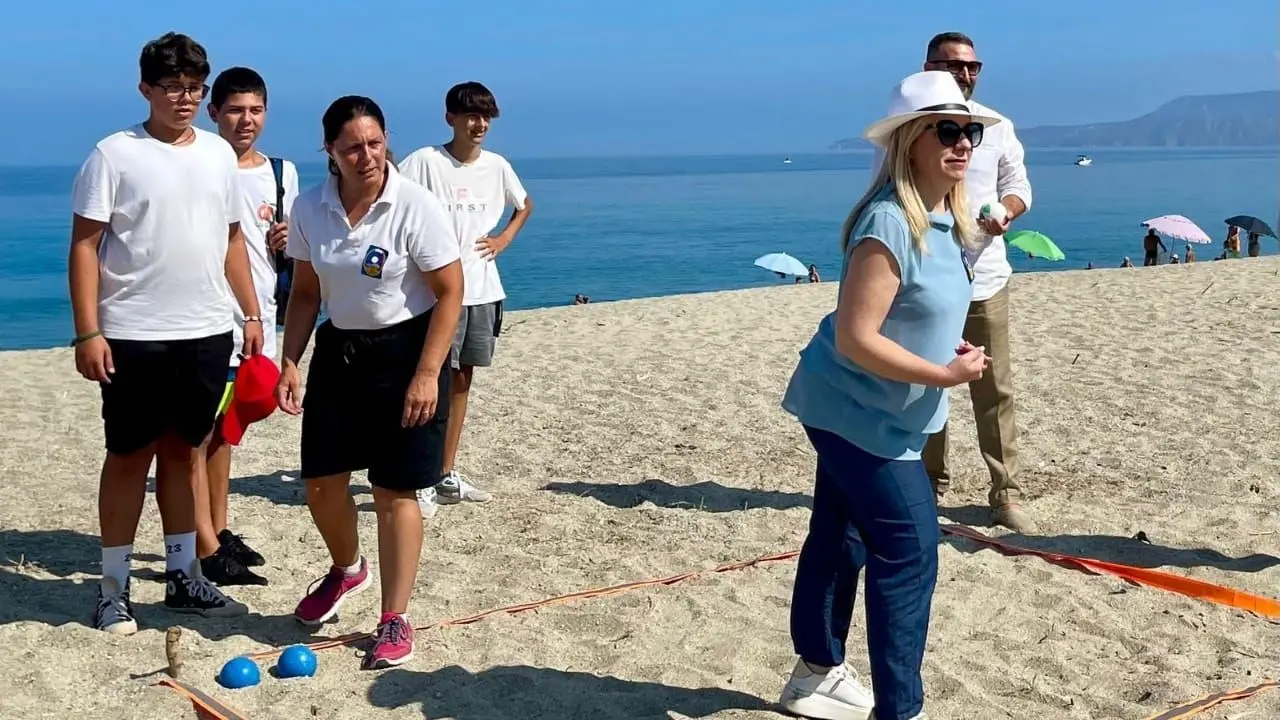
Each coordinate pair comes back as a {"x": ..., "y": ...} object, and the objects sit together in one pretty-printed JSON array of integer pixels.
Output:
[{"x": 992, "y": 394}]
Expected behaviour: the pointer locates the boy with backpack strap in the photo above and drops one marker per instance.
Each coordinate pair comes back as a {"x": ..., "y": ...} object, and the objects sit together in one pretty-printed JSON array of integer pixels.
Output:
[{"x": 238, "y": 104}]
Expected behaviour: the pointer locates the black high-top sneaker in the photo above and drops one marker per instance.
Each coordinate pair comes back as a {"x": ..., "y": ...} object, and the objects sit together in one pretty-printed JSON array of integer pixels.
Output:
[
  {"x": 224, "y": 568},
  {"x": 193, "y": 593}
]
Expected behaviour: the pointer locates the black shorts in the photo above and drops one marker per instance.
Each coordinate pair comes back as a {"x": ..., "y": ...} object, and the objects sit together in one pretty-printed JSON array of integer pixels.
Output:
[
  {"x": 354, "y": 401},
  {"x": 161, "y": 386}
]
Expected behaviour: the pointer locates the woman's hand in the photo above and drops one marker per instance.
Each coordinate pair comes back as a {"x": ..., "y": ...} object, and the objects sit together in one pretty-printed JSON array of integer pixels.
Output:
[
  {"x": 289, "y": 389},
  {"x": 968, "y": 365},
  {"x": 420, "y": 400}
]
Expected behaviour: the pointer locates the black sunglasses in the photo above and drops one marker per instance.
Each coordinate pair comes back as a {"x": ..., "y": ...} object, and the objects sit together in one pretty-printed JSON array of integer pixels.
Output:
[
  {"x": 954, "y": 66},
  {"x": 949, "y": 132}
]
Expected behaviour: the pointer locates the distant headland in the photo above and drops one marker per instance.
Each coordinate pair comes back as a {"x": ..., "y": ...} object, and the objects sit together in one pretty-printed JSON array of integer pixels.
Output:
[{"x": 1207, "y": 121}]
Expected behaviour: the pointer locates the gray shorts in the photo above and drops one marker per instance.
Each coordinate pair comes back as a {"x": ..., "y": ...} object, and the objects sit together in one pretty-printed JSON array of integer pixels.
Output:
[{"x": 477, "y": 335}]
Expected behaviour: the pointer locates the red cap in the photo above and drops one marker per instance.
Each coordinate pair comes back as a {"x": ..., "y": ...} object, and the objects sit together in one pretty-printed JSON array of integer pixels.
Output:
[{"x": 253, "y": 398}]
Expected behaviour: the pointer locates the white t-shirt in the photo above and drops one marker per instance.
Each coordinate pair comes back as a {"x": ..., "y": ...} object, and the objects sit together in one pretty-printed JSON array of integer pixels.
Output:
[
  {"x": 371, "y": 274},
  {"x": 257, "y": 211},
  {"x": 168, "y": 210},
  {"x": 475, "y": 195}
]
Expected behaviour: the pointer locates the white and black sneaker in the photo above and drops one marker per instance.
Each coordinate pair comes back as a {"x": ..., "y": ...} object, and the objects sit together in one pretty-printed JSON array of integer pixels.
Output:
[
  {"x": 114, "y": 613},
  {"x": 193, "y": 593}
]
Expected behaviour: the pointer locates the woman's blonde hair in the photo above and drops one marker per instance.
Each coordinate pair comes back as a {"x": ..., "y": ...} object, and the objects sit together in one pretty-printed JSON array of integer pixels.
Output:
[{"x": 896, "y": 171}]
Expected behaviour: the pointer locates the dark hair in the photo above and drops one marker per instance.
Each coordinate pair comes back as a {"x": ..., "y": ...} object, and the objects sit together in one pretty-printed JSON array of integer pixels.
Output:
[
  {"x": 948, "y": 38},
  {"x": 171, "y": 55},
  {"x": 234, "y": 81},
  {"x": 470, "y": 98},
  {"x": 344, "y": 110}
]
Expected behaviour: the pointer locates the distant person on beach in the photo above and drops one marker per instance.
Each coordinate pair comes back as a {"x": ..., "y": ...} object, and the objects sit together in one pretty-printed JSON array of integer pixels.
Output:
[
  {"x": 379, "y": 253},
  {"x": 1173, "y": 259},
  {"x": 581, "y": 299},
  {"x": 1152, "y": 246},
  {"x": 1255, "y": 244},
  {"x": 869, "y": 389},
  {"x": 814, "y": 277},
  {"x": 1126, "y": 263},
  {"x": 238, "y": 106},
  {"x": 476, "y": 186},
  {"x": 1231, "y": 245},
  {"x": 998, "y": 174},
  {"x": 1190, "y": 254},
  {"x": 157, "y": 253}
]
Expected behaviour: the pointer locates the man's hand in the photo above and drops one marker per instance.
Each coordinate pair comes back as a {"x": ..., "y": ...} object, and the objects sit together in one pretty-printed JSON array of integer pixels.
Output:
[
  {"x": 252, "y": 338},
  {"x": 993, "y": 227},
  {"x": 278, "y": 236},
  {"x": 1013, "y": 207},
  {"x": 490, "y": 246}
]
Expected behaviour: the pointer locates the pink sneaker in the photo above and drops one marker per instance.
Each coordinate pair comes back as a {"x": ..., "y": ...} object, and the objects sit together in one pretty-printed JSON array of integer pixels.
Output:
[
  {"x": 392, "y": 643},
  {"x": 322, "y": 603}
]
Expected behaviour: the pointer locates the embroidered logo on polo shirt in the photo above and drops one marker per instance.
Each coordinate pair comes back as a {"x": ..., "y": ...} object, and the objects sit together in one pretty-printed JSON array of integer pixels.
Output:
[{"x": 374, "y": 259}]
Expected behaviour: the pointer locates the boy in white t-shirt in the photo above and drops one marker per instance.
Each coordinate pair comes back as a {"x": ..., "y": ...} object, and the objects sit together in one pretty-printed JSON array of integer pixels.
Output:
[
  {"x": 238, "y": 105},
  {"x": 475, "y": 186},
  {"x": 156, "y": 256}
]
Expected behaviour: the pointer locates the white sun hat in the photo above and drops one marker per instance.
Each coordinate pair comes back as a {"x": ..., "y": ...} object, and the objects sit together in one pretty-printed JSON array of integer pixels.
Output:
[{"x": 931, "y": 92}]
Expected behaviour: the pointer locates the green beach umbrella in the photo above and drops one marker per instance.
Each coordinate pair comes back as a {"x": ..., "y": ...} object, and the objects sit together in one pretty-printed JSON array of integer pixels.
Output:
[{"x": 1034, "y": 243}]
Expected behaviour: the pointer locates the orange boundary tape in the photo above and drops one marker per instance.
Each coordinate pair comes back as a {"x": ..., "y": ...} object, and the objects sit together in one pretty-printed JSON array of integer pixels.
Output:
[
  {"x": 205, "y": 706},
  {"x": 209, "y": 709},
  {"x": 1256, "y": 604},
  {"x": 1195, "y": 707}
]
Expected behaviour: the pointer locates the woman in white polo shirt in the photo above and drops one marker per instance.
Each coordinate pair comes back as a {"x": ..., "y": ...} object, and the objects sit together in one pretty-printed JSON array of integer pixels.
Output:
[{"x": 380, "y": 253}]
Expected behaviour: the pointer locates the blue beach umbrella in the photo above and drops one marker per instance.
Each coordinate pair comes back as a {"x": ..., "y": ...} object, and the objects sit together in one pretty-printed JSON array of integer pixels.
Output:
[{"x": 783, "y": 264}]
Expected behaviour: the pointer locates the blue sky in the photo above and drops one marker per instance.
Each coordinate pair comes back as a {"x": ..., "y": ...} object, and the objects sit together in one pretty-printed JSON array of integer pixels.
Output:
[{"x": 605, "y": 78}]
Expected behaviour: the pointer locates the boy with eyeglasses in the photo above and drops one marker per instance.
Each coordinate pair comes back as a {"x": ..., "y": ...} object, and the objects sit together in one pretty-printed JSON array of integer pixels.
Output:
[{"x": 156, "y": 255}]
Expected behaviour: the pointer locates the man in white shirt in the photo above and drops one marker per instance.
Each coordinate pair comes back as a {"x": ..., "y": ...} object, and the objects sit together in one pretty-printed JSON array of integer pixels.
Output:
[
  {"x": 997, "y": 174},
  {"x": 238, "y": 105},
  {"x": 475, "y": 187},
  {"x": 156, "y": 256}
]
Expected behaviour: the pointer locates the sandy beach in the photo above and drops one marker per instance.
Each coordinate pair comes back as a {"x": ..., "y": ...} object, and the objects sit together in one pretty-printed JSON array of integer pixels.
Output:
[{"x": 640, "y": 439}]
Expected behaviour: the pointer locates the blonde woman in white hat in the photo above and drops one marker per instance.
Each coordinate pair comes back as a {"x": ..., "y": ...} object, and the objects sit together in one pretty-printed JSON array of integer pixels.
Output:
[{"x": 869, "y": 389}]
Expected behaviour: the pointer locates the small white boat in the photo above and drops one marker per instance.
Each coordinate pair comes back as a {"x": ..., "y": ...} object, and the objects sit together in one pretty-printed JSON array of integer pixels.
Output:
[
  {"x": 786, "y": 161},
  {"x": 1084, "y": 160}
]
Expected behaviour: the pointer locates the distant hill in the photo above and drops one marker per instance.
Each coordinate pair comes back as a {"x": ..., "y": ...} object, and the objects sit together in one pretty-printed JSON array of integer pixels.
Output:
[{"x": 1238, "y": 120}]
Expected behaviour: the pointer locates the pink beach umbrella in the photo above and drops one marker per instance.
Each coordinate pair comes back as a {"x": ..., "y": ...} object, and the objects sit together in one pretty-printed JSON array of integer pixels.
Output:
[{"x": 1177, "y": 227}]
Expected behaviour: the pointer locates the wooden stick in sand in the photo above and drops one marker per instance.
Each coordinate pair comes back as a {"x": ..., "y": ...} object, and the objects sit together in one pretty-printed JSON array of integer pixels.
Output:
[{"x": 173, "y": 650}]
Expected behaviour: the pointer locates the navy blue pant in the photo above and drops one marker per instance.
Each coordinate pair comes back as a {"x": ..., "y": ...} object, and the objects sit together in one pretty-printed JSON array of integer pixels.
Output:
[{"x": 879, "y": 514}]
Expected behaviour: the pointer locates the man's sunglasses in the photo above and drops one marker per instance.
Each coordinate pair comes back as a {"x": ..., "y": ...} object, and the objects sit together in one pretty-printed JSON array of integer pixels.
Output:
[
  {"x": 949, "y": 132},
  {"x": 954, "y": 66}
]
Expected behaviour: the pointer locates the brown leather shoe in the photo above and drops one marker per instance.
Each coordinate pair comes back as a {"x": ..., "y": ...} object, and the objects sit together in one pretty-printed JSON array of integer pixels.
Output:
[
  {"x": 1012, "y": 517},
  {"x": 939, "y": 488}
]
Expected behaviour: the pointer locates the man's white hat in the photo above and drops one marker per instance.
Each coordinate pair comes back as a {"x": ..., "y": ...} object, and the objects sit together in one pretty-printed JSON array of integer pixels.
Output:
[{"x": 925, "y": 93}]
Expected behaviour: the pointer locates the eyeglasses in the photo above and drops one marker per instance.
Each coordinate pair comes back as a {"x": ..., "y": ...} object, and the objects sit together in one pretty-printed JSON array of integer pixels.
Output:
[
  {"x": 973, "y": 67},
  {"x": 174, "y": 91},
  {"x": 949, "y": 132}
]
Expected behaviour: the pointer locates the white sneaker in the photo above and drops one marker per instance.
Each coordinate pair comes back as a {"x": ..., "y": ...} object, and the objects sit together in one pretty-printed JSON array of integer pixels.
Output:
[
  {"x": 838, "y": 695},
  {"x": 114, "y": 612},
  {"x": 453, "y": 490},
  {"x": 427, "y": 502}
]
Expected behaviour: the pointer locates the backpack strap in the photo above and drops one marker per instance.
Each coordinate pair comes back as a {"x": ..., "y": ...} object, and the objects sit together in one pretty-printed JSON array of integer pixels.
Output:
[{"x": 277, "y": 169}]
